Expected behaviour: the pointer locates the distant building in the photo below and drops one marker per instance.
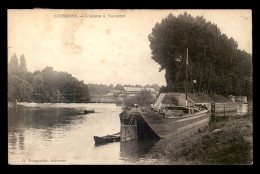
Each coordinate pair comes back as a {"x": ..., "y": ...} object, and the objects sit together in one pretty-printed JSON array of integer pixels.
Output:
[
  {"x": 102, "y": 98},
  {"x": 132, "y": 91},
  {"x": 114, "y": 92},
  {"x": 110, "y": 94},
  {"x": 115, "y": 95}
]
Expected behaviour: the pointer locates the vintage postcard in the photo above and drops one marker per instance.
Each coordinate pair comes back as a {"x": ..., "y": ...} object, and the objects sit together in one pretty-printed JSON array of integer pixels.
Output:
[{"x": 130, "y": 87}]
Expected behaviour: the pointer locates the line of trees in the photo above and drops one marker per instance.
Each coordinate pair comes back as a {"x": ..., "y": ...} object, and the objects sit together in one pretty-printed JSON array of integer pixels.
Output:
[
  {"x": 43, "y": 86},
  {"x": 216, "y": 65},
  {"x": 51, "y": 86},
  {"x": 104, "y": 89}
]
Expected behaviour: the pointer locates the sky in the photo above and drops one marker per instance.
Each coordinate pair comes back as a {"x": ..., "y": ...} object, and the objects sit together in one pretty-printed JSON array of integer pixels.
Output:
[{"x": 105, "y": 50}]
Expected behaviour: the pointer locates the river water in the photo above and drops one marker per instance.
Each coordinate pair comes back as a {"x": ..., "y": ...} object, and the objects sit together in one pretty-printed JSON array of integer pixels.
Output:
[{"x": 57, "y": 134}]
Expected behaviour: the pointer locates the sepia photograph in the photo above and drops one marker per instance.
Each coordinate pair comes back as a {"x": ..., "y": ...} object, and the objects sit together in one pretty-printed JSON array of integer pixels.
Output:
[{"x": 130, "y": 87}]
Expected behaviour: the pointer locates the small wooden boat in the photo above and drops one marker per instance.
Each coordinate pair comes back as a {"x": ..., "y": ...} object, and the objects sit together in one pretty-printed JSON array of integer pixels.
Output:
[
  {"x": 107, "y": 138},
  {"x": 87, "y": 111}
]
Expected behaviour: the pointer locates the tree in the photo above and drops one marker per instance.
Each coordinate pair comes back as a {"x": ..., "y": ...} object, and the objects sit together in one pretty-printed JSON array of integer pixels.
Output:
[
  {"x": 23, "y": 63},
  {"x": 154, "y": 86},
  {"x": 111, "y": 86},
  {"x": 98, "y": 88},
  {"x": 81, "y": 92},
  {"x": 213, "y": 57},
  {"x": 13, "y": 66},
  {"x": 144, "y": 98},
  {"x": 119, "y": 87},
  {"x": 43, "y": 86},
  {"x": 18, "y": 89}
]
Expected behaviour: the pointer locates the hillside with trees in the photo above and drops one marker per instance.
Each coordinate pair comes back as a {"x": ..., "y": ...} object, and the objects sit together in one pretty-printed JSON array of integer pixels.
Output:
[
  {"x": 43, "y": 86},
  {"x": 216, "y": 65}
]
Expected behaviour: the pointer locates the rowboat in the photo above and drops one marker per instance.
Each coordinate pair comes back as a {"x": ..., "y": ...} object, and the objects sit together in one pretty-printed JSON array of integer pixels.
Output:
[{"x": 107, "y": 138}]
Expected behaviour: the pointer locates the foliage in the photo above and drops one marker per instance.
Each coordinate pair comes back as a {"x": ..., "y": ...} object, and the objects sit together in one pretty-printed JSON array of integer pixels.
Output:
[
  {"x": 226, "y": 147},
  {"x": 51, "y": 86},
  {"x": 23, "y": 63},
  {"x": 208, "y": 98},
  {"x": 43, "y": 86},
  {"x": 154, "y": 86},
  {"x": 232, "y": 145},
  {"x": 144, "y": 98},
  {"x": 215, "y": 62},
  {"x": 119, "y": 87},
  {"x": 98, "y": 88},
  {"x": 104, "y": 89}
]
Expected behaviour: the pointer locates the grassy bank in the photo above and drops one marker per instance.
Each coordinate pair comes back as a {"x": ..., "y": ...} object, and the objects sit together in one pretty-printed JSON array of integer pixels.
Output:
[
  {"x": 10, "y": 105},
  {"x": 207, "y": 98},
  {"x": 231, "y": 144}
]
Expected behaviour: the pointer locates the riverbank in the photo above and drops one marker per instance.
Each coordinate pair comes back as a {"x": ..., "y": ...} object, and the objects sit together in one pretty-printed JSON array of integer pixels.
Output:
[
  {"x": 11, "y": 105},
  {"x": 223, "y": 142}
]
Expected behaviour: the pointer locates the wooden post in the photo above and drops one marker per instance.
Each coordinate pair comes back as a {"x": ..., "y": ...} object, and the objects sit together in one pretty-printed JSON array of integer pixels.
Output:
[
  {"x": 135, "y": 123},
  {"x": 125, "y": 132},
  {"x": 224, "y": 110},
  {"x": 186, "y": 86},
  {"x": 212, "y": 117}
]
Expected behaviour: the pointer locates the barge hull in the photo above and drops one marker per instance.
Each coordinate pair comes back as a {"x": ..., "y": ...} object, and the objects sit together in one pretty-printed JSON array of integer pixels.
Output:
[{"x": 164, "y": 127}]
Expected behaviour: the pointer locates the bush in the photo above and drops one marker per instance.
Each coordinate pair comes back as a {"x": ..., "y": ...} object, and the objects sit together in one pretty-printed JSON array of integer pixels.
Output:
[
  {"x": 144, "y": 99},
  {"x": 221, "y": 148},
  {"x": 226, "y": 147}
]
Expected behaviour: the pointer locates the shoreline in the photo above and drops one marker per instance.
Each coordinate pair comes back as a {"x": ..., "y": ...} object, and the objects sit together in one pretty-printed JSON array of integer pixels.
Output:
[
  {"x": 11, "y": 104},
  {"x": 233, "y": 144}
]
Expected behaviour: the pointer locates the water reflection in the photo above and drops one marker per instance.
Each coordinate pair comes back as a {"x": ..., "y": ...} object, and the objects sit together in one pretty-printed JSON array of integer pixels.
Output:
[
  {"x": 134, "y": 150},
  {"x": 56, "y": 132},
  {"x": 42, "y": 121},
  {"x": 24, "y": 117}
]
